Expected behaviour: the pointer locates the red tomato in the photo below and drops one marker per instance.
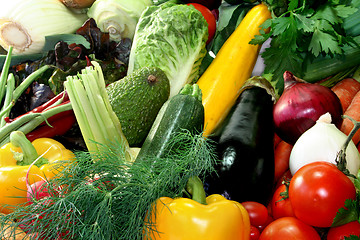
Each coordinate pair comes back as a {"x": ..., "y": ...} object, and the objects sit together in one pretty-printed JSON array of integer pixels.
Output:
[
  {"x": 281, "y": 157},
  {"x": 254, "y": 233},
  {"x": 258, "y": 213},
  {"x": 340, "y": 232},
  {"x": 289, "y": 228},
  {"x": 281, "y": 206},
  {"x": 285, "y": 177},
  {"x": 268, "y": 221},
  {"x": 209, "y": 17},
  {"x": 317, "y": 191}
]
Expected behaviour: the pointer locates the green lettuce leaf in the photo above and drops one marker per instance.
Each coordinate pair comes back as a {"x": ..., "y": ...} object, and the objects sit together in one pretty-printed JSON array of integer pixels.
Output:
[{"x": 173, "y": 38}]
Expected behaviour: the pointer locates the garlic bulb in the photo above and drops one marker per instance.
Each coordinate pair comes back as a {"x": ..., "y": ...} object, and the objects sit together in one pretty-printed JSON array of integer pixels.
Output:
[
  {"x": 24, "y": 24},
  {"x": 322, "y": 142}
]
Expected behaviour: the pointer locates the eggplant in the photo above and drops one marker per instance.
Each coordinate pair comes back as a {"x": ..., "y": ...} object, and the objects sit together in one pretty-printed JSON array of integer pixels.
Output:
[{"x": 245, "y": 147}]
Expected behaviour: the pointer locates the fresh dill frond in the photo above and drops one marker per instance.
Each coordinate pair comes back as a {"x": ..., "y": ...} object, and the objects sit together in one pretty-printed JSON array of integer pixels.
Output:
[{"x": 102, "y": 196}]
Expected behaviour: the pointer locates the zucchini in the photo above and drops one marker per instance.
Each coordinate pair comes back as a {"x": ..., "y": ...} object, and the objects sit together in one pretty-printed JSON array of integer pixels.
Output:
[
  {"x": 244, "y": 147},
  {"x": 222, "y": 80},
  {"x": 182, "y": 112}
]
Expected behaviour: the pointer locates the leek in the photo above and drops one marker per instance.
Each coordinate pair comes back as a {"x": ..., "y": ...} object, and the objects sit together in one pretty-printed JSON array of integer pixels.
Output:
[
  {"x": 98, "y": 123},
  {"x": 118, "y": 17},
  {"x": 24, "y": 24}
]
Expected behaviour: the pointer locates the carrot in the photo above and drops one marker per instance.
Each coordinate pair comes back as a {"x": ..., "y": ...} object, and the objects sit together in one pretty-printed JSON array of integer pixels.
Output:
[
  {"x": 277, "y": 139},
  {"x": 352, "y": 111},
  {"x": 346, "y": 90},
  {"x": 281, "y": 156}
]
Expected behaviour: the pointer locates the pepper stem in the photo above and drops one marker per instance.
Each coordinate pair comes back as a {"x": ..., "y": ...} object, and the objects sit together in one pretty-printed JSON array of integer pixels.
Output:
[
  {"x": 196, "y": 188},
  {"x": 29, "y": 153}
]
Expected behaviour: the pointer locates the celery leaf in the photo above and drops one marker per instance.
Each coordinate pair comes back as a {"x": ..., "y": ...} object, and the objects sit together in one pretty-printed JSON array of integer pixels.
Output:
[
  {"x": 349, "y": 213},
  {"x": 303, "y": 32}
]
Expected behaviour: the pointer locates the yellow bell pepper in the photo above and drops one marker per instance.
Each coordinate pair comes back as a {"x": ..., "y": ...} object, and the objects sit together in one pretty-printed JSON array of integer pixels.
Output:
[
  {"x": 194, "y": 219},
  {"x": 16, "y": 158}
]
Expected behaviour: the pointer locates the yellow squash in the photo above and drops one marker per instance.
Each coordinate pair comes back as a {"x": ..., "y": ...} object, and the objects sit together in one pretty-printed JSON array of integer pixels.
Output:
[{"x": 221, "y": 82}]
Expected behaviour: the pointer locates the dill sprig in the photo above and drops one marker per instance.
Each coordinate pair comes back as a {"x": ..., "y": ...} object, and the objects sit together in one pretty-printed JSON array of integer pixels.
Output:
[{"x": 102, "y": 196}]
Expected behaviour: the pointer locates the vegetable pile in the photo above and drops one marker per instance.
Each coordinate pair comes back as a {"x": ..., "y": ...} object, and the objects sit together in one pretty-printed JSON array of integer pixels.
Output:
[{"x": 176, "y": 119}]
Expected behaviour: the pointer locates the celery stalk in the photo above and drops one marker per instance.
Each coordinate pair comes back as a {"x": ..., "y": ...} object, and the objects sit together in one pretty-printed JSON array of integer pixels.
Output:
[{"x": 97, "y": 121}]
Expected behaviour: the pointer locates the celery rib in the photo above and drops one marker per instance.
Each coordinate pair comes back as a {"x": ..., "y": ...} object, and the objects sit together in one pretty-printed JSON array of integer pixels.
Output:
[{"x": 98, "y": 123}]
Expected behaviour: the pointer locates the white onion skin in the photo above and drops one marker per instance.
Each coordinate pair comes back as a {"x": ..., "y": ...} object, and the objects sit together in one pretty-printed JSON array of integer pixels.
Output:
[
  {"x": 300, "y": 105},
  {"x": 322, "y": 142}
]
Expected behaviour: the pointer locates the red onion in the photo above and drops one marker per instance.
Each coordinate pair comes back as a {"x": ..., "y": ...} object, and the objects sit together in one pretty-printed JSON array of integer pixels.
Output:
[{"x": 300, "y": 105}]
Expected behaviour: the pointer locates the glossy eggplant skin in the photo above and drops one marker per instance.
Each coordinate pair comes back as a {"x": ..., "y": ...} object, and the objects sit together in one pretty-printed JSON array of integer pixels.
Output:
[{"x": 245, "y": 149}]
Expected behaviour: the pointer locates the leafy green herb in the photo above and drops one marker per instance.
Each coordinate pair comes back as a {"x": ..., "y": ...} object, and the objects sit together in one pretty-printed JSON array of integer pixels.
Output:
[
  {"x": 230, "y": 17},
  {"x": 303, "y": 30},
  {"x": 102, "y": 196},
  {"x": 352, "y": 237}
]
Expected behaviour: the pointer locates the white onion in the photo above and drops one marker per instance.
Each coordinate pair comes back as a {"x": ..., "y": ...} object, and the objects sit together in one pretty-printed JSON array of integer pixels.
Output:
[{"x": 322, "y": 142}]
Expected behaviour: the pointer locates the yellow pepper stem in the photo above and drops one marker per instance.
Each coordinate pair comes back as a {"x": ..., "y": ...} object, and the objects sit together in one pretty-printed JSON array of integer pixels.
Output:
[
  {"x": 29, "y": 153},
  {"x": 196, "y": 188}
]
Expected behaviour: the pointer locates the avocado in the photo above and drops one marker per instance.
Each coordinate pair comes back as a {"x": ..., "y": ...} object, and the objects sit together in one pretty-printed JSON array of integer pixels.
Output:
[{"x": 136, "y": 99}]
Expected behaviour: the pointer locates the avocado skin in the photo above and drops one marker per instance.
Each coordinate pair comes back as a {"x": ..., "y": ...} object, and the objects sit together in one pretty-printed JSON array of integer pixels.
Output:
[{"x": 136, "y": 101}]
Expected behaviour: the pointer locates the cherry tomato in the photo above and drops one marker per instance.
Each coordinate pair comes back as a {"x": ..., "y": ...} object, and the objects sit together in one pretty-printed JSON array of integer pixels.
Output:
[
  {"x": 209, "y": 17},
  {"x": 281, "y": 205},
  {"x": 340, "y": 232},
  {"x": 258, "y": 213},
  {"x": 254, "y": 233},
  {"x": 317, "y": 191},
  {"x": 289, "y": 228},
  {"x": 268, "y": 221}
]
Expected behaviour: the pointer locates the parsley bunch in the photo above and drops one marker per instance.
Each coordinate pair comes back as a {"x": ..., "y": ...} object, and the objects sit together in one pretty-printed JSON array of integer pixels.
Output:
[{"x": 302, "y": 31}]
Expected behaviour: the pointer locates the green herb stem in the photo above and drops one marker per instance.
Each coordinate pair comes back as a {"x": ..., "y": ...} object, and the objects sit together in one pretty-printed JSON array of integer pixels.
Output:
[
  {"x": 8, "y": 102},
  {"x": 5, "y": 72},
  {"x": 29, "y": 122}
]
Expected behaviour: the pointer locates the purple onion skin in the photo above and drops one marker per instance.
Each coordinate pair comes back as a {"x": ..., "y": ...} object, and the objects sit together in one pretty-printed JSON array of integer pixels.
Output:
[{"x": 300, "y": 106}]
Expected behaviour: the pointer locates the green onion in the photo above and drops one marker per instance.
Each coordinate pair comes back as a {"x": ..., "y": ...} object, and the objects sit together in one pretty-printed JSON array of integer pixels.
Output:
[
  {"x": 97, "y": 121},
  {"x": 324, "y": 66}
]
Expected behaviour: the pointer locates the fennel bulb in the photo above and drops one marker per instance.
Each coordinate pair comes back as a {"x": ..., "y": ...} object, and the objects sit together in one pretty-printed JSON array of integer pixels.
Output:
[
  {"x": 173, "y": 38},
  {"x": 118, "y": 17},
  {"x": 24, "y": 24}
]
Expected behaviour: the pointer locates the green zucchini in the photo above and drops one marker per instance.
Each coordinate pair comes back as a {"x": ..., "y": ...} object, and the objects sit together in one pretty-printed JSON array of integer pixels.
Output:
[{"x": 182, "y": 112}]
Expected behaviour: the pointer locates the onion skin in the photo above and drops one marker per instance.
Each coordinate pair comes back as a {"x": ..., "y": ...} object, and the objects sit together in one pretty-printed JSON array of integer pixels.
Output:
[
  {"x": 300, "y": 106},
  {"x": 77, "y": 4}
]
